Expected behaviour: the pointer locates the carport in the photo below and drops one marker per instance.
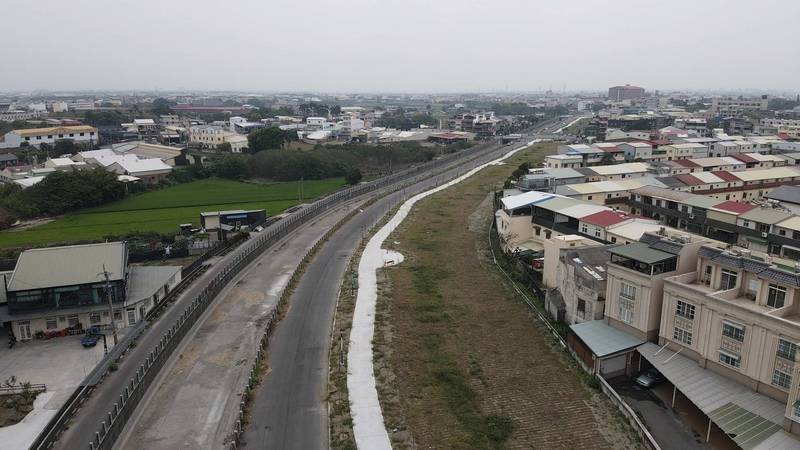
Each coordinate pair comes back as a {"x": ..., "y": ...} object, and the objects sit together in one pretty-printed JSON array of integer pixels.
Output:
[
  {"x": 603, "y": 349},
  {"x": 752, "y": 420}
]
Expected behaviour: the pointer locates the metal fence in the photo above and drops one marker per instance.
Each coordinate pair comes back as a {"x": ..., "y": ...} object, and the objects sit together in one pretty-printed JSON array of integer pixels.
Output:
[{"x": 129, "y": 397}]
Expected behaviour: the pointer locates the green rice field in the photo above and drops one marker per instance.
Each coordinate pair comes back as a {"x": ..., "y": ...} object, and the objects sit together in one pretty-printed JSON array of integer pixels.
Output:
[{"x": 163, "y": 210}]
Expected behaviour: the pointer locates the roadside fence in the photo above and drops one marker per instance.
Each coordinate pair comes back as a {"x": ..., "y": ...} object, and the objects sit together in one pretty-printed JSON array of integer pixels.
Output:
[{"x": 118, "y": 414}]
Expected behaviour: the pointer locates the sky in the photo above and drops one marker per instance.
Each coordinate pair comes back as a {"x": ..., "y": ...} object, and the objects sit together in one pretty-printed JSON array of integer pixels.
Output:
[{"x": 399, "y": 45}]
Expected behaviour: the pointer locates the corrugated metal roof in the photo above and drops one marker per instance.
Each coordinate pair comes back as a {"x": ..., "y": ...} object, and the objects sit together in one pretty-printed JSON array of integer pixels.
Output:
[
  {"x": 603, "y": 339},
  {"x": 526, "y": 199},
  {"x": 68, "y": 266},
  {"x": 702, "y": 201},
  {"x": 641, "y": 252},
  {"x": 145, "y": 281},
  {"x": 792, "y": 223},
  {"x": 556, "y": 204},
  {"x": 789, "y": 194},
  {"x": 735, "y": 408},
  {"x": 767, "y": 174},
  {"x": 707, "y": 177},
  {"x": 582, "y": 210},
  {"x": 766, "y": 215},
  {"x": 634, "y": 230}
]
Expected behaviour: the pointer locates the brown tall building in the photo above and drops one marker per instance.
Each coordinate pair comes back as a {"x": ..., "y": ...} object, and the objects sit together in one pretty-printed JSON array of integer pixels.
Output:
[{"x": 627, "y": 92}]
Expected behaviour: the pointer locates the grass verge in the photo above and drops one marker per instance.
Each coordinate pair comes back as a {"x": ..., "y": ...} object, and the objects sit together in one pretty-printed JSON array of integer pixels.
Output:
[{"x": 472, "y": 367}]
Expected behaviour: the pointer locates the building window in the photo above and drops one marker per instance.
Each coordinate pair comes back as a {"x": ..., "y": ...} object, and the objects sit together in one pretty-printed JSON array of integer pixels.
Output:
[
  {"x": 776, "y": 296},
  {"x": 626, "y": 310},
  {"x": 627, "y": 291},
  {"x": 584, "y": 229},
  {"x": 730, "y": 359},
  {"x": 51, "y": 324},
  {"x": 781, "y": 379},
  {"x": 94, "y": 318},
  {"x": 681, "y": 335},
  {"x": 72, "y": 321},
  {"x": 117, "y": 314},
  {"x": 733, "y": 331},
  {"x": 727, "y": 280},
  {"x": 581, "y": 305},
  {"x": 589, "y": 197},
  {"x": 684, "y": 309},
  {"x": 786, "y": 350}
]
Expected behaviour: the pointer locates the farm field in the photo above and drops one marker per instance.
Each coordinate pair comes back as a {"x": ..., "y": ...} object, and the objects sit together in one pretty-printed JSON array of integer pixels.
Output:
[{"x": 163, "y": 210}]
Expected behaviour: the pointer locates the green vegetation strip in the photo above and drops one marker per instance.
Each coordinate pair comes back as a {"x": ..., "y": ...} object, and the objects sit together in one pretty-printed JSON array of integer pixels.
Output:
[{"x": 162, "y": 211}]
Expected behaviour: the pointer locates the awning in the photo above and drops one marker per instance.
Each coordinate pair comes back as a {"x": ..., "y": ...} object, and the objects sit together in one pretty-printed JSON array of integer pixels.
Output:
[
  {"x": 603, "y": 339},
  {"x": 751, "y": 419}
]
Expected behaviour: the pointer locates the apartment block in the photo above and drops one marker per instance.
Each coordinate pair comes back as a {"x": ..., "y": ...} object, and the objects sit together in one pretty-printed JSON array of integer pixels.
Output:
[{"x": 737, "y": 315}]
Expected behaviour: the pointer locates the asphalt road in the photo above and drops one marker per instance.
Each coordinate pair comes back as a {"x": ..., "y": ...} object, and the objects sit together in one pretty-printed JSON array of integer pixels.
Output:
[
  {"x": 289, "y": 410},
  {"x": 312, "y": 367}
]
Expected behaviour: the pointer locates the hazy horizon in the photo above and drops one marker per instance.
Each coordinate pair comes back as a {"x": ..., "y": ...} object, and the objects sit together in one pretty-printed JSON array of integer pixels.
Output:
[{"x": 400, "y": 46}]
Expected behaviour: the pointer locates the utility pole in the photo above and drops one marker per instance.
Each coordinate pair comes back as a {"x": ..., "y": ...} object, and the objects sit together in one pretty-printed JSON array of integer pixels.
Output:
[{"x": 110, "y": 306}]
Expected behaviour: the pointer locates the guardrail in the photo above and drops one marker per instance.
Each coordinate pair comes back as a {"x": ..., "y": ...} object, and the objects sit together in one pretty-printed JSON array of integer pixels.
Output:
[
  {"x": 238, "y": 427},
  {"x": 116, "y": 418}
]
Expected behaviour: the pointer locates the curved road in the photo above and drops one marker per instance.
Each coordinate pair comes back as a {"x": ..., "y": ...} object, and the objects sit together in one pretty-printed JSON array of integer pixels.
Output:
[{"x": 289, "y": 411}]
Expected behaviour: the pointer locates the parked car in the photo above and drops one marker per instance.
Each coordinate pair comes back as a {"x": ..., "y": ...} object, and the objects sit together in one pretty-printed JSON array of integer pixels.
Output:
[
  {"x": 91, "y": 337},
  {"x": 649, "y": 378}
]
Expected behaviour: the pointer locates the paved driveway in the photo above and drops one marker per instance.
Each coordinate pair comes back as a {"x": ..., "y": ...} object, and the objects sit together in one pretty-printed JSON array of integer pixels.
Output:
[
  {"x": 668, "y": 429},
  {"x": 60, "y": 363}
]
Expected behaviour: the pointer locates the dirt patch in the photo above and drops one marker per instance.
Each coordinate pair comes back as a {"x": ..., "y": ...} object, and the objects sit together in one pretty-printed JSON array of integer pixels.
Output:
[
  {"x": 471, "y": 366},
  {"x": 14, "y": 407}
]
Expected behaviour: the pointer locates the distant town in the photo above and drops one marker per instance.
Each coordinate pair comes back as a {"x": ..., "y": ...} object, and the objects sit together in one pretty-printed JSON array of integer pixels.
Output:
[{"x": 652, "y": 236}]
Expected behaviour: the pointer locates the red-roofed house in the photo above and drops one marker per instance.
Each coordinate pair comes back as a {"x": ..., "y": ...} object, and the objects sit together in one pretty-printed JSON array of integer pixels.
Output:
[
  {"x": 735, "y": 207},
  {"x": 747, "y": 159},
  {"x": 727, "y": 176},
  {"x": 596, "y": 225},
  {"x": 686, "y": 163},
  {"x": 690, "y": 180}
]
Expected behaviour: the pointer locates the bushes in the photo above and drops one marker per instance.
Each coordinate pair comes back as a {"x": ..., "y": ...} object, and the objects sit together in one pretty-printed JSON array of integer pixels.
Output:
[{"x": 60, "y": 192}]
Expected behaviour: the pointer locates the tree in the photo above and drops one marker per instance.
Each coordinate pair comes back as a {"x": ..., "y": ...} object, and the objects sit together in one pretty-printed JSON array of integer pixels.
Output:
[
  {"x": 161, "y": 106},
  {"x": 233, "y": 167},
  {"x": 336, "y": 110},
  {"x": 353, "y": 176},
  {"x": 225, "y": 147},
  {"x": 66, "y": 146},
  {"x": 271, "y": 138}
]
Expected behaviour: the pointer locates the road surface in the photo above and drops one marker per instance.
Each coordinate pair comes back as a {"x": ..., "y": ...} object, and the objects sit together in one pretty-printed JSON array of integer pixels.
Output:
[{"x": 289, "y": 410}]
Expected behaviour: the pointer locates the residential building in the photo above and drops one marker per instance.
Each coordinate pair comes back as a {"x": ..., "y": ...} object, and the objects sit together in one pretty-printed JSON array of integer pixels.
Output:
[
  {"x": 735, "y": 106},
  {"x": 627, "y": 92},
  {"x": 613, "y": 134},
  {"x": 14, "y": 115},
  {"x": 559, "y": 161},
  {"x": 635, "y": 279},
  {"x": 634, "y": 151},
  {"x": 48, "y": 291},
  {"x": 80, "y": 134},
  {"x": 735, "y": 316},
  {"x": 208, "y": 136},
  {"x": 579, "y": 291}
]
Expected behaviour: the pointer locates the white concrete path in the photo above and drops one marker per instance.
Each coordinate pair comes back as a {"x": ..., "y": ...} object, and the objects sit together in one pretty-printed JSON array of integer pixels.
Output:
[{"x": 368, "y": 427}]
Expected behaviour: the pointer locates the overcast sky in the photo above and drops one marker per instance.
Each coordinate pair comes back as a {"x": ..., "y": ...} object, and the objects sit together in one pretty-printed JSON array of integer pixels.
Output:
[{"x": 399, "y": 45}]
